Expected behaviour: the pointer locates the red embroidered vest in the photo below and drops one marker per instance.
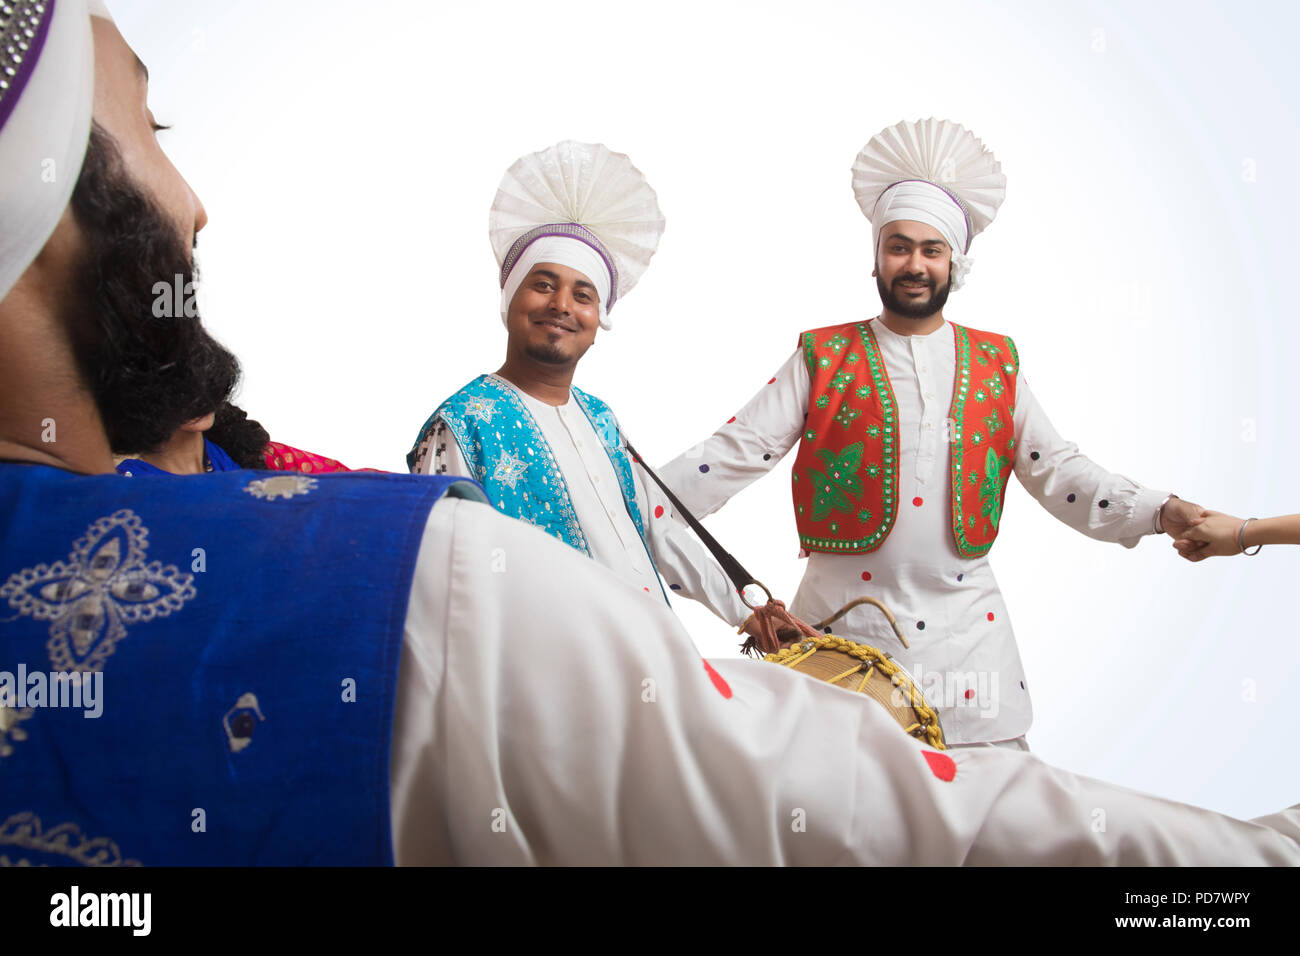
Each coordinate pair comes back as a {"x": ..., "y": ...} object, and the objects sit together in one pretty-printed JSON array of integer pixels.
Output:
[{"x": 845, "y": 477}]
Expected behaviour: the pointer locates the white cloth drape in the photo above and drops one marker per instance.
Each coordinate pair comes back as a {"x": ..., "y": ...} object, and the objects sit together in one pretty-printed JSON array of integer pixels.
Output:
[{"x": 546, "y": 714}]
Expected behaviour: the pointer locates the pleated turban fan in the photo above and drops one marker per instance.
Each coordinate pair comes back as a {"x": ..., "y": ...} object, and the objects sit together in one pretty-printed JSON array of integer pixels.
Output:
[
  {"x": 931, "y": 171},
  {"x": 577, "y": 205},
  {"x": 47, "y": 85}
]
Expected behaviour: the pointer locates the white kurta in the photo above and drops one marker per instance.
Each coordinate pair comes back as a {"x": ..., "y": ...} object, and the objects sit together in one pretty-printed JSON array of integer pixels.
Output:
[
  {"x": 546, "y": 714},
  {"x": 686, "y": 565},
  {"x": 963, "y": 653}
]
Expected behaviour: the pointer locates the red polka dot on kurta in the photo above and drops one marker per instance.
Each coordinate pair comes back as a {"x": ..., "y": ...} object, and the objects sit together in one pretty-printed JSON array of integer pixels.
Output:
[
  {"x": 990, "y": 615},
  {"x": 866, "y": 575},
  {"x": 659, "y": 511},
  {"x": 723, "y": 687},
  {"x": 970, "y": 693},
  {"x": 918, "y": 501},
  {"x": 941, "y": 765},
  {"x": 731, "y": 419}
]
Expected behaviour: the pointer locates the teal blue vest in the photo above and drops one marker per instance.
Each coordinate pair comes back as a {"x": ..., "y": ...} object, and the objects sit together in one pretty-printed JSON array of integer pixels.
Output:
[
  {"x": 231, "y": 643},
  {"x": 511, "y": 459}
]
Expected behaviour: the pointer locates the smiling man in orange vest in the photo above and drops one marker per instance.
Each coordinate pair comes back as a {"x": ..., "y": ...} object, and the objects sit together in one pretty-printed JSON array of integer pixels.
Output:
[{"x": 909, "y": 427}]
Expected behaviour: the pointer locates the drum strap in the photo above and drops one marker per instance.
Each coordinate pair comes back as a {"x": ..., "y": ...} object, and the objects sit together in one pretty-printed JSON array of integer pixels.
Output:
[
  {"x": 734, "y": 569},
  {"x": 776, "y": 626}
]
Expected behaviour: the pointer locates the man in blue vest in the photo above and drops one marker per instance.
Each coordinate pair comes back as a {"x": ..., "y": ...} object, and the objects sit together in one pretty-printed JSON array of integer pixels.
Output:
[
  {"x": 254, "y": 667},
  {"x": 573, "y": 227}
]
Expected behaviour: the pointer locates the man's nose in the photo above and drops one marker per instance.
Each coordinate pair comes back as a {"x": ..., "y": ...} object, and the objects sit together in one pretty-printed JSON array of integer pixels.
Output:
[
  {"x": 562, "y": 300},
  {"x": 200, "y": 214}
]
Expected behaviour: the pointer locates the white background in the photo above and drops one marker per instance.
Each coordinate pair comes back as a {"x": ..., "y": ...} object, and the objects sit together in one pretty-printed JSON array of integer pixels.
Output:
[{"x": 347, "y": 154}]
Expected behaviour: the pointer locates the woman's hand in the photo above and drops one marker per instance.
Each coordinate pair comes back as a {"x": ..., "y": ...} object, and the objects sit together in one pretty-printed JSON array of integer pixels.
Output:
[{"x": 1212, "y": 534}]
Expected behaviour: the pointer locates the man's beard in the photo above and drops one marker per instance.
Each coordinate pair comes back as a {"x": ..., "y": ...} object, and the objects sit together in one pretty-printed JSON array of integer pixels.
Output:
[
  {"x": 547, "y": 354},
  {"x": 148, "y": 374},
  {"x": 913, "y": 310}
]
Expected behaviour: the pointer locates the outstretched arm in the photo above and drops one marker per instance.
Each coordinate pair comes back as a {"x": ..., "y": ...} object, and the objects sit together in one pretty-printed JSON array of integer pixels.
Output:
[
  {"x": 1214, "y": 534},
  {"x": 746, "y": 447},
  {"x": 686, "y": 565},
  {"x": 1081, "y": 493}
]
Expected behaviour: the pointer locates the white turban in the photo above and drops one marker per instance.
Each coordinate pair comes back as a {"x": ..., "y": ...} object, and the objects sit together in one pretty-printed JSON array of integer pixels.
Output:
[
  {"x": 563, "y": 251},
  {"x": 44, "y": 124},
  {"x": 919, "y": 201}
]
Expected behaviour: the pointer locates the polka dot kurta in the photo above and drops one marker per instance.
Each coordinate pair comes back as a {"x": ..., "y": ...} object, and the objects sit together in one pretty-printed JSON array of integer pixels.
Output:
[{"x": 963, "y": 652}]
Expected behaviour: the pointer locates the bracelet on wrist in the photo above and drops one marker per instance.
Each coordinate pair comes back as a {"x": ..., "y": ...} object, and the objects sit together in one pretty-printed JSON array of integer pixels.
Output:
[
  {"x": 1241, "y": 539},
  {"x": 1157, "y": 523}
]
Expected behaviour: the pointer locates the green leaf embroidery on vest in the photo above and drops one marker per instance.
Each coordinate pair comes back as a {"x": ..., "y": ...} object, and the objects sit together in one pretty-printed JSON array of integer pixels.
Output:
[
  {"x": 834, "y": 485},
  {"x": 991, "y": 490},
  {"x": 846, "y": 415},
  {"x": 841, "y": 381}
]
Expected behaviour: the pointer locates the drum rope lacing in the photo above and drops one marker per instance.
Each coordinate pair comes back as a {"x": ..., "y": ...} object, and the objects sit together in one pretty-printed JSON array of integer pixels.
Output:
[{"x": 927, "y": 723}]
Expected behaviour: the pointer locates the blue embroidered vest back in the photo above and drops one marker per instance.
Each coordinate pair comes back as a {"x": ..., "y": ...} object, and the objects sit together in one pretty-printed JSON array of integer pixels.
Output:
[
  {"x": 244, "y": 630},
  {"x": 504, "y": 447}
]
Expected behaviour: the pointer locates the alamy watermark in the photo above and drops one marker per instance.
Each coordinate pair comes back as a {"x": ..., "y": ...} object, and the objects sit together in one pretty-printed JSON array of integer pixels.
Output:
[{"x": 63, "y": 689}]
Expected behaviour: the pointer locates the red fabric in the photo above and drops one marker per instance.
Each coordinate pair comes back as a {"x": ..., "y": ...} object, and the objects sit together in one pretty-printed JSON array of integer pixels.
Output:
[
  {"x": 280, "y": 457},
  {"x": 845, "y": 475}
]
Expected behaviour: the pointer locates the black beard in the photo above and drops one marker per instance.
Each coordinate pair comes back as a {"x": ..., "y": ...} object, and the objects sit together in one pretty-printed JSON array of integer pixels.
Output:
[
  {"x": 547, "y": 354},
  {"x": 148, "y": 374},
  {"x": 938, "y": 299}
]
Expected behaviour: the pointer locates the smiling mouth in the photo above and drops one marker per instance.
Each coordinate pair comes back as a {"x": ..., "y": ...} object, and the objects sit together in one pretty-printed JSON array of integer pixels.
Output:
[{"x": 555, "y": 324}]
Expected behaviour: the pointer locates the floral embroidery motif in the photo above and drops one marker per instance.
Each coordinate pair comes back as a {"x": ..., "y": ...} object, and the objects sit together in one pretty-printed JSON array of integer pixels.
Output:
[
  {"x": 991, "y": 490},
  {"x": 104, "y": 585},
  {"x": 863, "y": 391},
  {"x": 845, "y": 415},
  {"x": 25, "y": 832},
  {"x": 992, "y": 422},
  {"x": 508, "y": 469},
  {"x": 10, "y": 717},
  {"x": 994, "y": 385},
  {"x": 976, "y": 438},
  {"x": 840, "y": 381},
  {"x": 864, "y": 515},
  {"x": 836, "y": 343},
  {"x": 837, "y": 482},
  {"x": 481, "y": 408},
  {"x": 873, "y": 431},
  {"x": 823, "y": 401},
  {"x": 987, "y": 351},
  {"x": 281, "y": 486}
]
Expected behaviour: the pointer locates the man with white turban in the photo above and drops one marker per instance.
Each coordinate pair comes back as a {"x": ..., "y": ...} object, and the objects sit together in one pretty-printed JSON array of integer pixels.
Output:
[
  {"x": 339, "y": 672},
  {"x": 908, "y": 427},
  {"x": 573, "y": 228}
]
